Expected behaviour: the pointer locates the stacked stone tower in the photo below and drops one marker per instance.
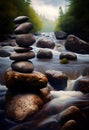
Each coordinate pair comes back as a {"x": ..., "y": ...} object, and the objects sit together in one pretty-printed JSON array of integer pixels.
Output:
[{"x": 24, "y": 96}]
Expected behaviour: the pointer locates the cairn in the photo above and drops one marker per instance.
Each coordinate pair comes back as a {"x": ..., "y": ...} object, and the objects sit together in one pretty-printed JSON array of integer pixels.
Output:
[{"x": 24, "y": 96}]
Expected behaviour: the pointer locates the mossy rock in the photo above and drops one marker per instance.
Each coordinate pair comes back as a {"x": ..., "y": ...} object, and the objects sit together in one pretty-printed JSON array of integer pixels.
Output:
[{"x": 64, "y": 61}]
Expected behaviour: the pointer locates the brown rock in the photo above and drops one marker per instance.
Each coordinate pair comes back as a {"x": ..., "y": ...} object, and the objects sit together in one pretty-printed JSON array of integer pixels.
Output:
[
  {"x": 23, "y": 81},
  {"x": 22, "y": 49},
  {"x": 21, "y": 106},
  {"x": 25, "y": 40},
  {"x": 70, "y": 125},
  {"x": 68, "y": 55},
  {"x": 57, "y": 79},
  {"x": 71, "y": 113},
  {"x": 82, "y": 84},
  {"x": 22, "y": 56},
  {"x": 77, "y": 45},
  {"x": 44, "y": 54}
]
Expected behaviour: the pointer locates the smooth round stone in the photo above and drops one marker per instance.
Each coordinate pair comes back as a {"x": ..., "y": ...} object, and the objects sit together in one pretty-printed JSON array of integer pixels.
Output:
[
  {"x": 23, "y": 28},
  {"x": 25, "y": 81},
  {"x": 68, "y": 55},
  {"x": 25, "y": 40},
  {"x": 45, "y": 43},
  {"x": 22, "y": 56},
  {"x": 21, "y": 19},
  {"x": 22, "y": 49},
  {"x": 44, "y": 54},
  {"x": 23, "y": 66}
]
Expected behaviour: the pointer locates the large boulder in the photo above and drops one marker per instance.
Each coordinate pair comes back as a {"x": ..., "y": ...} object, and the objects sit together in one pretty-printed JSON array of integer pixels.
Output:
[
  {"x": 25, "y": 81},
  {"x": 44, "y": 54},
  {"x": 82, "y": 84},
  {"x": 77, "y": 45},
  {"x": 60, "y": 34},
  {"x": 45, "y": 43},
  {"x": 21, "y": 106},
  {"x": 57, "y": 79}
]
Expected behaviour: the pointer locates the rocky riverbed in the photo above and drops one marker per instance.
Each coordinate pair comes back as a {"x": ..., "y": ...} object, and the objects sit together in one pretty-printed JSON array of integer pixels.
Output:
[{"x": 67, "y": 108}]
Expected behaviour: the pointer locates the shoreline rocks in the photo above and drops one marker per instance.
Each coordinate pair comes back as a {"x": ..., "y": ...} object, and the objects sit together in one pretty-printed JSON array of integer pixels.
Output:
[{"x": 77, "y": 45}]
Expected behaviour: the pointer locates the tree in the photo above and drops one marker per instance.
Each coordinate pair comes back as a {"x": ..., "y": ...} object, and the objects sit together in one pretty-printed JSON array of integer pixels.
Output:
[{"x": 76, "y": 19}]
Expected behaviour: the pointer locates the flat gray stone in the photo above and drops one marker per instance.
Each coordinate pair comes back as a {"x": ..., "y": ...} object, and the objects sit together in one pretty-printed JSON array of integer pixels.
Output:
[
  {"x": 22, "y": 56},
  {"x": 23, "y": 66}
]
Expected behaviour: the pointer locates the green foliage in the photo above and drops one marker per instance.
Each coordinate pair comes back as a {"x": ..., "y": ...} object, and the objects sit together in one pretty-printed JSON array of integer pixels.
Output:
[
  {"x": 76, "y": 19},
  {"x": 11, "y": 9},
  {"x": 48, "y": 25},
  {"x": 35, "y": 19}
]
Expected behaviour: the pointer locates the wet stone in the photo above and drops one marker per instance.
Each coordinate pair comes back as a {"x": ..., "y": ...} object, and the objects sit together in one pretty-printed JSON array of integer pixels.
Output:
[
  {"x": 68, "y": 55},
  {"x": 25, "y": 81},
  {"x": 44, "y": 54},
  {"x": 25, "y": 40},
  {"x": 21, "y": 19},
  {"x": 23, "y": 66},
  {"x": 22, "y": 49},
  {"x": 23, "y": 28},
  {"x": 22, "y": 56}
]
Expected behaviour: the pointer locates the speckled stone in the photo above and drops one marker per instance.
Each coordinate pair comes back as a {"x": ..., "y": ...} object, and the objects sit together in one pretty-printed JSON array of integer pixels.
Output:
[
  {"x": 25, "y": 40},
  {"x": 23, "y": 66},
  {"x": 21, "y": 106},
  {"x": 22, "y": 56},
  {"x": 25, "y": 81}
]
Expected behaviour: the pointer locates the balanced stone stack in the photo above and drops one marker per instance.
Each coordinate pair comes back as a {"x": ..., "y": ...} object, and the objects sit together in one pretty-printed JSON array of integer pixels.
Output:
[{"x": 24, "y": 96}]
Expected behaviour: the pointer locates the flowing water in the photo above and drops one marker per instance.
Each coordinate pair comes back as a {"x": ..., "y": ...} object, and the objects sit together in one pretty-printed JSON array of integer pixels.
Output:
[{"x": 74, "y": 70}]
